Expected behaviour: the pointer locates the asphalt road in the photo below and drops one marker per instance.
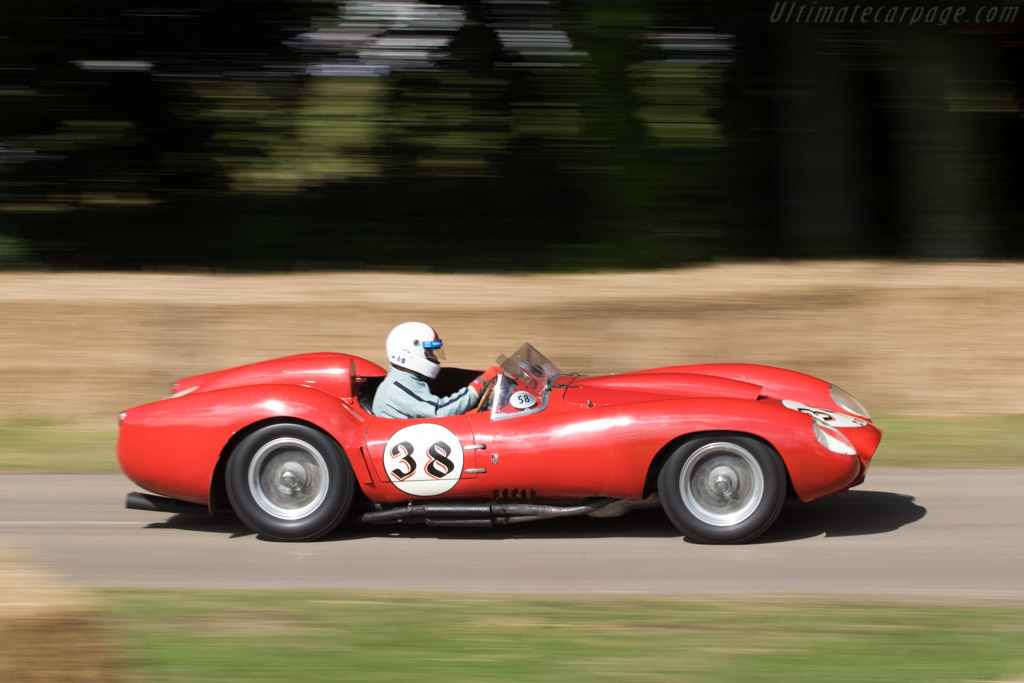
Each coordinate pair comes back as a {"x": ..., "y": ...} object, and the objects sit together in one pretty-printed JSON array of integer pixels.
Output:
[{"x": 936, "y": 536}]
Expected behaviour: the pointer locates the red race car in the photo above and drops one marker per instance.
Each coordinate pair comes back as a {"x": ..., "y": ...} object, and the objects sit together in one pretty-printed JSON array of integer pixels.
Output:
[{"x": 292, "y": 447}]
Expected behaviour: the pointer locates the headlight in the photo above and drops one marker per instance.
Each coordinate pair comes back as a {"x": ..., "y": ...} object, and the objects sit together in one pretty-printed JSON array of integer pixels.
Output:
[
  {"x": 847, "y": 402},
  {"x": 833, "y": 439}
]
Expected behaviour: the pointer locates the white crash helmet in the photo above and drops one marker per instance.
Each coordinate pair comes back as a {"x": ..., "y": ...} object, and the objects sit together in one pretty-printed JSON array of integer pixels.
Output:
[{"x": 416, "y": 347}]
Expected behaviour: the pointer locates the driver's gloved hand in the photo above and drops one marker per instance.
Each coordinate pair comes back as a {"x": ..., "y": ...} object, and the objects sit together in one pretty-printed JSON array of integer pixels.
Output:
[{"x": 477, "y": 385}]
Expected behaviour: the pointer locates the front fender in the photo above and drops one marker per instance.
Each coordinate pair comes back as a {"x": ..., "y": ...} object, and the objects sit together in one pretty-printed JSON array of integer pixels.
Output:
[
  {"x": 656, "y": 426},
  {"x": 775, "y": 382},
  {"x": 813, "y": 469}
]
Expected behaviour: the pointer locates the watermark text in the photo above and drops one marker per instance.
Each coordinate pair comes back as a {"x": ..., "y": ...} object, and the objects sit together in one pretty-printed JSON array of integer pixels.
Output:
[{"x": 909, "y": 15}]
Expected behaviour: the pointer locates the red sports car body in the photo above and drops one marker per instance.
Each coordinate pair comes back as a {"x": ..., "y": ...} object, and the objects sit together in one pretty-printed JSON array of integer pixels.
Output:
[{"x": 292, "y": 447}]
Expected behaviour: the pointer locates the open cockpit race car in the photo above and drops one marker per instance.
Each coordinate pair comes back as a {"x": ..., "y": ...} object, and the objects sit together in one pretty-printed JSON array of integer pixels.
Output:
[{"x": 291, "y": 447}]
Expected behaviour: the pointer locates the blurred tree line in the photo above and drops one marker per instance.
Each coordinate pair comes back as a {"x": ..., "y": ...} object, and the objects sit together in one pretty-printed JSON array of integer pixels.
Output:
[{"x": 500, "y": 134}]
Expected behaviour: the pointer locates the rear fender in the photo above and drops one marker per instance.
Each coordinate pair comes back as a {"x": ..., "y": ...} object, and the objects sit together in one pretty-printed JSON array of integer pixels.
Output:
[
  {"x": 172, "y": 447},
  {"x": 218, "y": 484}
]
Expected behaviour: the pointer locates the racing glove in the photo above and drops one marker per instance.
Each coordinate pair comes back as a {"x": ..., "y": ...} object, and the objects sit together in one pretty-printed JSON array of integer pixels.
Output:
[{"x": 477, "y": 385}]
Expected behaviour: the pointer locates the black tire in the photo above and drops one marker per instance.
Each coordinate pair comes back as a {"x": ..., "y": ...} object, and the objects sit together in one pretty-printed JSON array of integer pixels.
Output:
[
  {"x": 726, "y": 489},
  {"x": 289, "y": 482}
]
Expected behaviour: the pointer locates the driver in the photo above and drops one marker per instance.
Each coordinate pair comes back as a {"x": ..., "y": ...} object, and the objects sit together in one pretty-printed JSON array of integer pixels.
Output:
[{"x": 415, "y": 351}]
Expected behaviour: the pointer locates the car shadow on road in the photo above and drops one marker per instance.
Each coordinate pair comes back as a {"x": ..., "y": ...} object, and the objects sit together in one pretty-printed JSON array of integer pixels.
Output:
[
  {"x": 855, "y": 513},
  {"x": 225, "y": 523},
  {"x": 645, "y": 523},
  {"x": 642, "y": 523}
]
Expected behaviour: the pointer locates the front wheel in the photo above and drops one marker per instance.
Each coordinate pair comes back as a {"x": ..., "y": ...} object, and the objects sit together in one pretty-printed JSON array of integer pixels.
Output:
[
  {"x": 722, "y": 489},
  {"x": 290, "y": 482}
]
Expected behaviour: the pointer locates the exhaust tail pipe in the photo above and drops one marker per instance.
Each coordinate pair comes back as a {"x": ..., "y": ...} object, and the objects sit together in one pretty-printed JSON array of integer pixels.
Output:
[{"x": 150, "y": 503}]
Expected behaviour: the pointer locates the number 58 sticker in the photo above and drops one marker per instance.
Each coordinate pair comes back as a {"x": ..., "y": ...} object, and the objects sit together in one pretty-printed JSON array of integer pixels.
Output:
[
  {"x": 521, "y": 400},
  {"x": 424, "y": 459}
]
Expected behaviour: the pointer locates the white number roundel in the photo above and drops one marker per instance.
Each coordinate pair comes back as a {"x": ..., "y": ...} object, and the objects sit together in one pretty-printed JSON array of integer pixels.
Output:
[
  {"x": 424, "y": 459},
  {"x": 522, "y": 400}
]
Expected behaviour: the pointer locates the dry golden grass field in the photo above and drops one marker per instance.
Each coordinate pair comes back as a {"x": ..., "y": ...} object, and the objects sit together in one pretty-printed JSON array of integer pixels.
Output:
[{"x": 913, "y": 339}]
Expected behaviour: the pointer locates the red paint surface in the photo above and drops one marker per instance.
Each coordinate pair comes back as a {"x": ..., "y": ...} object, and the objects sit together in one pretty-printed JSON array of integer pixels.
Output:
[{"x": 597, "y": 436}]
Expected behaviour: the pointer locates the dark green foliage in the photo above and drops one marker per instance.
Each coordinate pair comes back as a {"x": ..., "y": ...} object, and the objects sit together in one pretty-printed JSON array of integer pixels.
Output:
[{"x": 642, "y": 134}]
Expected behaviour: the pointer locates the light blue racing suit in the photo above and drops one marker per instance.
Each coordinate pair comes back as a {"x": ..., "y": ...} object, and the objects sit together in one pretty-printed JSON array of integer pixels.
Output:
[{"x": 403, "y": 394}]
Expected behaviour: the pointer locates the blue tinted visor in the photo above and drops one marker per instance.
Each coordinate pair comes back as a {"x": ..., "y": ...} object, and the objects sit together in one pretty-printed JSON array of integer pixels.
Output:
[{"x": 433, "y": 350}]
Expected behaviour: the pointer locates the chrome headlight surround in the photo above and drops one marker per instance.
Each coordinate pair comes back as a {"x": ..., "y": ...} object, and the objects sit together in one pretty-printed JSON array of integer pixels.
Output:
[
  {"x": 833, "y": 439},
  {"x": 848, "y": 402}
]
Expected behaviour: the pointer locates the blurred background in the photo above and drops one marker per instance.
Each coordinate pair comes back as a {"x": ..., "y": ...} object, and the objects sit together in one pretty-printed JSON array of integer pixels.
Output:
[{"x": 505, "y": 134}]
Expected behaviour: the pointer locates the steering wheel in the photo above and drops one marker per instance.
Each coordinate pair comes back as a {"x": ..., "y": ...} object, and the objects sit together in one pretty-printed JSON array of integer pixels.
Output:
[{"x": 485, "y": 397}]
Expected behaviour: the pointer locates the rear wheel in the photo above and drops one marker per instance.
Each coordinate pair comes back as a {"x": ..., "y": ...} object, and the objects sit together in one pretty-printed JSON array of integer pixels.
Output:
[
  {"x": 722, "y": 489},
  {"x": 290, "y": 482}
]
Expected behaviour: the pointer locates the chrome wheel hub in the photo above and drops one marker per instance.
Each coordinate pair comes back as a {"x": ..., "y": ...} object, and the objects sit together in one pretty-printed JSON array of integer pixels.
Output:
[
  {"x": 290, "y": 481},
  {"x": 721, "y": 484},
  {"x": 724, "y": 484},
  {"x": 288, "y": 478}
]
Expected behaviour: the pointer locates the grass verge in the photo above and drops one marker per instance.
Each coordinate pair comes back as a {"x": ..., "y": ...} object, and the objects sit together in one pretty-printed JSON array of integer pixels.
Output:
[
  {"x": 49, "y": 447},
  {"x": 985, "y": 441},
  {"x": 172, "y": 635}
]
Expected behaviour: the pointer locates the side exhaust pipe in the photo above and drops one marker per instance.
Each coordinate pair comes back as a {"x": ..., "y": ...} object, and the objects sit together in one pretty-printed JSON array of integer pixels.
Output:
[
  {"x": 478, "y": 514},
  {"x": 151, "y": 503}
]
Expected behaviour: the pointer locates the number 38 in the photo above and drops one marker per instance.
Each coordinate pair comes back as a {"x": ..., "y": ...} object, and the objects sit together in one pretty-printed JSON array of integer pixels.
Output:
[{"x": 439, "y": 465}]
